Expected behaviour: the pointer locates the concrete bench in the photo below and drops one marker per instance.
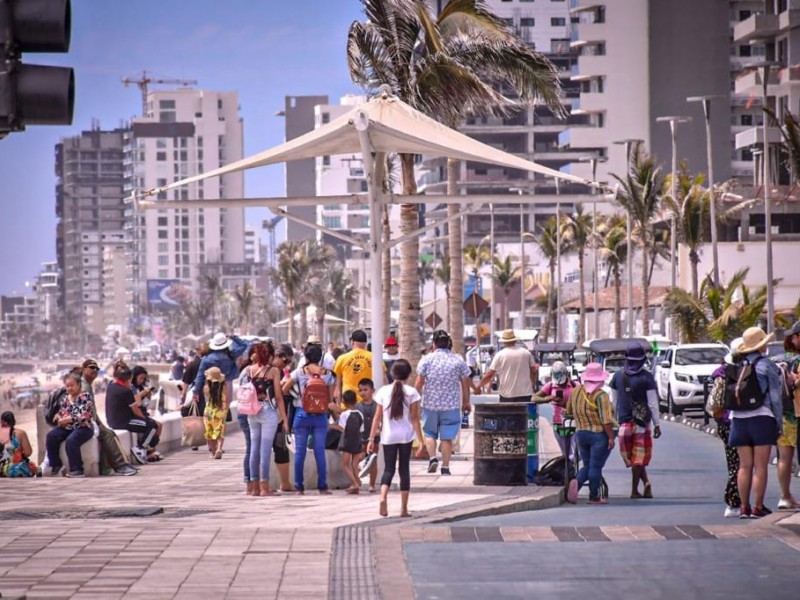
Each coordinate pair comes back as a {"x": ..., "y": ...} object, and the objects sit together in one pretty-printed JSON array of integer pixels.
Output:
[{"x": 337, "y": 480}]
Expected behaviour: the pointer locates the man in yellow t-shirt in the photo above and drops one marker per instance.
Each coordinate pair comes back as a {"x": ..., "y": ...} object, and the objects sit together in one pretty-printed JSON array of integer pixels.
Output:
[{"x": 351, "y": 367}]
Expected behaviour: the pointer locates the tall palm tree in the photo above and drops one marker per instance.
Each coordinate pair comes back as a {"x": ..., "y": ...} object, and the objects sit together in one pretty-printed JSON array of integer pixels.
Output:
[
  {"x": 331, "y": 291},
  {"x": 401, "y": 45},
  {"x": 547, "y": 240},
  {"x": 640, "y": 195},
  {"x": 578, "y": 233},
  {"x": 288, "y": 276},
  {"x": 692, "y": 212},
  {"x": 614, "y": 251},
  {"x": 244, "y": 298},
  {"x": 211, "y": 285},
  {"x": 313, "y": 261},
  {"x": 505, "y": 275}
]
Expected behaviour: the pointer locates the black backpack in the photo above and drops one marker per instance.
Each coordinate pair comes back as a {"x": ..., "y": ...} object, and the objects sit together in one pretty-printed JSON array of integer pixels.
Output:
[
  {"x": 552, "y": 472},
  {"x": 53, "y": 403},
  {"x": 742, "y": 391}
]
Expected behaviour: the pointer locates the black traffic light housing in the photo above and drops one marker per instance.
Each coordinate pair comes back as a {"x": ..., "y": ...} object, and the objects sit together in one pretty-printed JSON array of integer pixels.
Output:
[{"x": 34, "y": 94}]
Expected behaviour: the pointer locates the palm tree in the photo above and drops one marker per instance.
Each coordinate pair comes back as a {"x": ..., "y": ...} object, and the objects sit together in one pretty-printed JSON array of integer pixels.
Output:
[
  {"x": 718, "y": 313},
  {"x": 547, "y": 240},
  {"x": 211, "y": 284},
  {"x": 440, "y": 68},
  {"x": 612, "y": 238},
  {"x": 331, "y": 291},
  {"x": 289, "y": 278},
  {"x": 505, "y": 275},
  {"x": 577, "y": 231},
  {"x": 313, "y": 261},
  {"x": 640, "y": 195},
  {"x": 244, "y": 298}
]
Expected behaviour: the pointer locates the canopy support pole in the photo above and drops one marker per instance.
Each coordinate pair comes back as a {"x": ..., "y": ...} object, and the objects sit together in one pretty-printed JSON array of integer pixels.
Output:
[{"x": 331, "y": 232}]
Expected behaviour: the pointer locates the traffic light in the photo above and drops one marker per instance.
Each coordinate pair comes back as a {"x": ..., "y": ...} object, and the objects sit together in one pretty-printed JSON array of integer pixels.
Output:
[{"x": 34, "y": 94}]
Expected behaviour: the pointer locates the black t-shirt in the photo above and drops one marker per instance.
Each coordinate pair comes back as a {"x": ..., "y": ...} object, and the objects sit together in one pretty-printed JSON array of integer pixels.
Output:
[
  {"x": 119, "y": 399},
  {"x": 368, "y": 412},
  {"x": 190, "y": 373},
  {"x": 639, "y": 383}
]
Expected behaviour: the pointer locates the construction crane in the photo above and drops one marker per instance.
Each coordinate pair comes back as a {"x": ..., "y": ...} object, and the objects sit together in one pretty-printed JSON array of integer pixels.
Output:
[{"x": 145, "y": 79}]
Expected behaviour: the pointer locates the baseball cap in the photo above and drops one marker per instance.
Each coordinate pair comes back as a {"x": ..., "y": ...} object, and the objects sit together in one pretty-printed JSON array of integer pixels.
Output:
[
  {"x": 391, "y": 342},
  {"x": 359, "y": 335},
  {"x": 90, "y": 362}
]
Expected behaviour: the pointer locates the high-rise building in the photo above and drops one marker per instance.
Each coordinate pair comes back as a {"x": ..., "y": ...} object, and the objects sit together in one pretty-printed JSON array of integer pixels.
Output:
[
  {"x": 185, "y": 132},
  {"x": 90, "y": 209},
  {"x": 252, "y": 244}
]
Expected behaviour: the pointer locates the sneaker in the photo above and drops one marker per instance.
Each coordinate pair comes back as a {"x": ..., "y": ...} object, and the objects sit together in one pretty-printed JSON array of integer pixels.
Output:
[
  {"x": 126, "y": 471},
  {"x": 787, "y": 504},
  {"x": 433, "y": 464},
  {"x": 731, "y": 512},
  {"x": 76, "y": 474},
  {"x": 774, "y": 461},
  {"x": 139, "y": 454},
  {"x": 760, "y": 511},
  {"x": 49, "y": 471},
  {"x": 445, "y": 471},
  {"x": 572, "y": 492},
  {"x": 365, "y": 465},
  {"x": 745, "y": 512}
]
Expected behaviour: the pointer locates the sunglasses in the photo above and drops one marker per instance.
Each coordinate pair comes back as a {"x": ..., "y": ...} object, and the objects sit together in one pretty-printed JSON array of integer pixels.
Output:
[{"x": 93, "y": 368}]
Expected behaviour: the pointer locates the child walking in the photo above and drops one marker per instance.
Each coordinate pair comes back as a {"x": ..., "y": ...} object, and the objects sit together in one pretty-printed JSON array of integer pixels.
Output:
[
  {"x": 216, "y": 410},
  {"x": 367, "y": 408},
  {"x": 351, "y": 424}
]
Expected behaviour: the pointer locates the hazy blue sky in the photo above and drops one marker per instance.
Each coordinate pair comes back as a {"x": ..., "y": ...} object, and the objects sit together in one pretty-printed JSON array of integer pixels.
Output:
[{"x": 264, "y": 49}]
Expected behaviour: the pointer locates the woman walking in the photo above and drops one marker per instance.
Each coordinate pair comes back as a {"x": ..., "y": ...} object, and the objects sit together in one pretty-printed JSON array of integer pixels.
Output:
[
  {"x": 15, "y": 449},
  {"x": 591, "y": 408},
  {"x": 267, "y": 381},
  {"x": 310, "y": 424},
  {"x": 397, "y": 422},
  {"x": 216, "y": 394}
]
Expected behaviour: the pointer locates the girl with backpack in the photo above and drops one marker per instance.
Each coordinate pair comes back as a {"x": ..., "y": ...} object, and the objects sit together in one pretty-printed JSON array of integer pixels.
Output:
[
  {"x": 397, "y": 422},
  {"x": 266, "y": 380},
  {"x": 316, "y": 385}
]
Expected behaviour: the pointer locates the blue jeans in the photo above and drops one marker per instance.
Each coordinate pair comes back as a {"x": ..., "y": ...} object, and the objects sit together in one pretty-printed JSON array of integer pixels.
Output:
[
  {"x": 74, "y": 438},
  {"x": 262, "y": 433},
  {"x": 245, "y": 427},
  {"x": 317, "y": 425},
  {"x": 594, "y": 450}
]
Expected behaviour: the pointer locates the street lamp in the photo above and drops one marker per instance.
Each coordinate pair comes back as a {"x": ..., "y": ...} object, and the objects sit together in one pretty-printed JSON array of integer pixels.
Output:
[
  {"x": 593, "y": 160},
  {"x": 706, "y": 100},
  {"x": 520, "y": 191},
  {"x": 673, "y": 228},
  {"x": 629, "y": 144}
]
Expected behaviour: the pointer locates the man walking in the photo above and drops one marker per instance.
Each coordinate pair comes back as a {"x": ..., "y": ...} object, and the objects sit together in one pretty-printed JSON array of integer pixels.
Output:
[
  {"x": 112, "y": 456},
  {"x": 515, "y": 369},
  {"x": 443, "y": 380}
]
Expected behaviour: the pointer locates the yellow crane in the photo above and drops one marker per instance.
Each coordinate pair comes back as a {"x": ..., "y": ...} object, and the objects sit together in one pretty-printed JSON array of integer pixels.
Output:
[{"x": 145, "y": 79}]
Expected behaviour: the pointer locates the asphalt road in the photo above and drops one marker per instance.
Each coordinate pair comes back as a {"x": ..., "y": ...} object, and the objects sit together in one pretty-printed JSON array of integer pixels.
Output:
[{"x": 688, "y": 477}]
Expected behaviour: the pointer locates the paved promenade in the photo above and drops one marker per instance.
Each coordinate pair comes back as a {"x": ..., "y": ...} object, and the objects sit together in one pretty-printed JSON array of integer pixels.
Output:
[{"x": 183, "y": 528}]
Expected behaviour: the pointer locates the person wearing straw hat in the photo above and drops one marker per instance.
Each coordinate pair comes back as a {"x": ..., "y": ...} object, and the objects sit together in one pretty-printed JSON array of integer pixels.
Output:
[
  {"x": 515, "y": 369},
  {"x": 633, "y": 391},
  {"x": 591, "y": 408},
  {"x": 754, "y": 432}
]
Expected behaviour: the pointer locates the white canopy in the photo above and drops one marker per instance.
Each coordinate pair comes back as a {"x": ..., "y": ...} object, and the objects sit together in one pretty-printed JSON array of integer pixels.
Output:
[
  {"x": 393, "y": 126},
  {"x": 311, "y": 315}
]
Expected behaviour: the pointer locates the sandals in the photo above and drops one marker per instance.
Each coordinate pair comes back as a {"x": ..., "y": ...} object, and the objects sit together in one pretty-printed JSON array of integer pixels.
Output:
[{"x": 648, "y": 491}]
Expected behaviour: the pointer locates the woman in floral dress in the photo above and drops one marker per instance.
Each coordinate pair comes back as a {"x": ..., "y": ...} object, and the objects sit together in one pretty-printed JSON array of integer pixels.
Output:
[{"x": 16, "y": 449}]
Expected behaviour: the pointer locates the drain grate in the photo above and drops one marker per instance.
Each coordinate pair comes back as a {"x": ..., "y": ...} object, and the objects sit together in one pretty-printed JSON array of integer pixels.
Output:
[
  {"x": 139, "y": 512},
  {"x": 353, "y": 565}
]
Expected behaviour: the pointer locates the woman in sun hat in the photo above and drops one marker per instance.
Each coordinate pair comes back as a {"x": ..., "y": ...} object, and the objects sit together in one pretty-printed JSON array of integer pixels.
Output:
[
  {"x": 591, "y": 408},
  {"x": 633, "y": 390},
  {"x": 754, "y": 432}
]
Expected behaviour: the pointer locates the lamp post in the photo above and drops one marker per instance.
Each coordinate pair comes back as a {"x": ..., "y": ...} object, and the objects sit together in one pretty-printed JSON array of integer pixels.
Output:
[
  {"x": 629, "y": 143},
  {"x": 706, "y": 100},
  {"x": 491, "y": 267},
  {"x": 673, "y": 227},
  {"x": 764, "y": 69},
  {"x": 593, "y": 160},
  {"x": 558, "y": 260}
]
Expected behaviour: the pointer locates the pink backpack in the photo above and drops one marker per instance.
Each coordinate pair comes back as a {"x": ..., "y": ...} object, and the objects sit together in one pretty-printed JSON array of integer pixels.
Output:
[{"x": 247, "y": 399}]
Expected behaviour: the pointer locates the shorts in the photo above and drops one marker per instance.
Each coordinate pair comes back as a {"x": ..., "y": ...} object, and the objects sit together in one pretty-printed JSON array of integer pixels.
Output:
[
  {"x": 635, "y": 444},
  {"x": 788, "y": 438},
  {"x": 753, "y": 431},
  {"x": 351, "y": 444},
  {"x": 441, "y": 424}
]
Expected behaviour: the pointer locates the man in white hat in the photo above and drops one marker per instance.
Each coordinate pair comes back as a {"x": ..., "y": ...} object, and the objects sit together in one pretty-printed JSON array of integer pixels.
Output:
[
  {"x": 755, "y": 431},
  {"x": 515, "y": 369},
  {"x": 223, "y": 356}
]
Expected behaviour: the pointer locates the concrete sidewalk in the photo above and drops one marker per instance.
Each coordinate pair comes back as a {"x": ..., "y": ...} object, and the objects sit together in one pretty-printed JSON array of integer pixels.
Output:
[{"x": 183, "y": 528}]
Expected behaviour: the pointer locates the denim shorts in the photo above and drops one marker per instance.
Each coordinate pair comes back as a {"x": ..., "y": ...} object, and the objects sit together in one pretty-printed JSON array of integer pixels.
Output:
[
  {"x": 753, "y": 431},
  {"x": 441, "y": 424}
]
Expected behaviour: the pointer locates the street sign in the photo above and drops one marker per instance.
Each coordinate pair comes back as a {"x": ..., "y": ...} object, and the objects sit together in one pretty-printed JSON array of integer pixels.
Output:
[
  {"x": 433, "y": 320},
  {"x": 475, "y": 305}
]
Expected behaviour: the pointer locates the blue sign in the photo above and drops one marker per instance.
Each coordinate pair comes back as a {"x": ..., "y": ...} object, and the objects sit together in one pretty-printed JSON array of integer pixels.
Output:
[
  {"x": 469, "y": 286},
  {"x": 166, "y": 293}
]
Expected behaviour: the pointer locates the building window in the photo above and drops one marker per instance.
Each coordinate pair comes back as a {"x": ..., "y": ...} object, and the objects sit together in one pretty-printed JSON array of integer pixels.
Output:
[
  {"x": 161, "y": 143},
  {"x": 333, "y": 222},
  {"x": 167, "y": 116},
  {"x": 165, "y": 104},
  {"x": 163, "y": 273},
  {"x": 527, "y": 22},
  {"x": 162, "y": 234},
  {"x": 747, "y": 120},
  {"x": 161, "y": 156},
  {"x": 163, "y": 221},
  {"x": 326, "y": 118},
  {"x": 163, "y": 260},
  {"x": 558, "y": 21},
  {"x": 163, "y": 246},
  {"x": 326, "y": 161}
]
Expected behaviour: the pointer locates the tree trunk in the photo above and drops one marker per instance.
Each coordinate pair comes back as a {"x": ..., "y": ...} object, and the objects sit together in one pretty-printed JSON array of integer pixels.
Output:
[
  {"x": 653, "y": 258},
  {"x": 386, "y": 275},
  {"x": 694, "y": 260},
  {"x": 455, "y": 288},
  {"x": 303, "y": 322},
  {"x": 321, "y": 324},
  {"x": 408, "y": 321},
  {"x": 292, "y": 329},
  {"x": 617, "y": 303},
  {"x": 582, "y": 292},
  {"x": 645, "y": 291},
  {"x": 505, "y": 310}
]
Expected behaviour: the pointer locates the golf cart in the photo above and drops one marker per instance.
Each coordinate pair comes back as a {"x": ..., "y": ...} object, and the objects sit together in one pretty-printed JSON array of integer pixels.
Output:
[
  {"x": 610, "y": 353},
  {"x": 546, "y": 354}
]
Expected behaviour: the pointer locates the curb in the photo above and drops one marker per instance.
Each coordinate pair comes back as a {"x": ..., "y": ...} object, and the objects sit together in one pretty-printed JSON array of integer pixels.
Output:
[
  {"x": 709, "y": 429},
  {"x": 501, "y": 507}
]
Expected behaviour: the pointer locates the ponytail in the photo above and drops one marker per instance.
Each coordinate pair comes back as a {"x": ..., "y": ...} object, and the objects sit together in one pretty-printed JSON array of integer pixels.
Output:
[
  {"x": 7, "y": 418},
  {"x": 401, "y": 370}
]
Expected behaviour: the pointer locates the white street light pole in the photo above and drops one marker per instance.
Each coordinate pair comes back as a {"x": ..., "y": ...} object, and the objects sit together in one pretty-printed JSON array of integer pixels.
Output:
[
  {"x": 764, "y": 69},
  {"x": 491, "y": 272},
  {"x": 521, "y": 265},
  {"x": 673, "y": 228},
  {"x": 558, "y": 261},
  {"x": 593, "y": 160}
]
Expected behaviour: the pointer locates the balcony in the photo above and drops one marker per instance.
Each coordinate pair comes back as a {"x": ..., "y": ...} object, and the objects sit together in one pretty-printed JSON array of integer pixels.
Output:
[
  {"x": 756, "y": 27},
  {"x": 592, "y": 102},
  {"x": 788, "y": 76},
  {"x": 788, "y": 19},
  {"x": 750, "y": 83},
  {"x": 579, "y": 6},
  {"x": 754, "y": 136},
  {"x": 589, "y": 67}
]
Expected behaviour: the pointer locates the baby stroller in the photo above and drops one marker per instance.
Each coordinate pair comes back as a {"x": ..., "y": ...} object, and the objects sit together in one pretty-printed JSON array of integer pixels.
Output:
[{"x": 567, "y": 430}]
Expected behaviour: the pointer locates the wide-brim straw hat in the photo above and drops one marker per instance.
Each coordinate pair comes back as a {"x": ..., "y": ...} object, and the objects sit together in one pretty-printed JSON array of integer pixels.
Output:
[
  {"x": 753, "y": 340},
  {"x": 214, "y": 374},
  {"x": 508, "y": 336},
  {"x": 220, "y": 341},
  {"x": 595, "y": 372}
]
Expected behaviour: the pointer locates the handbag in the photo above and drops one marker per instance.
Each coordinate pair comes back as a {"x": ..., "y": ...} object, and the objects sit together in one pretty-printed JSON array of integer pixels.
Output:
[{"x": 193, "y": 430}]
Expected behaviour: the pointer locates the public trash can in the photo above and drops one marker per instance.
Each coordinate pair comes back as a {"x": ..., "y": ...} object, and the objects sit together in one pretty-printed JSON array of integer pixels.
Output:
[
  {"x": 533, "y": 441},
  {"x": 501, "y": 443}
]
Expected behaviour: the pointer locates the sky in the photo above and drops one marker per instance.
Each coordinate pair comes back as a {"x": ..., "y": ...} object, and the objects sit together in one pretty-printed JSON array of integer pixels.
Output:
[{"x": 264, "y": 49}]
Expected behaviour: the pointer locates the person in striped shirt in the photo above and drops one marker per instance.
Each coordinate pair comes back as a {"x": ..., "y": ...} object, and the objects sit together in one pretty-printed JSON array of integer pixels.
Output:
[{"x": 590, "y": 407}]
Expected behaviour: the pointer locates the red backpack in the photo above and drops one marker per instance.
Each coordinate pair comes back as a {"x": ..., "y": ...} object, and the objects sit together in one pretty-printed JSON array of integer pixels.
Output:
[{"x": 316, "y": 396}]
